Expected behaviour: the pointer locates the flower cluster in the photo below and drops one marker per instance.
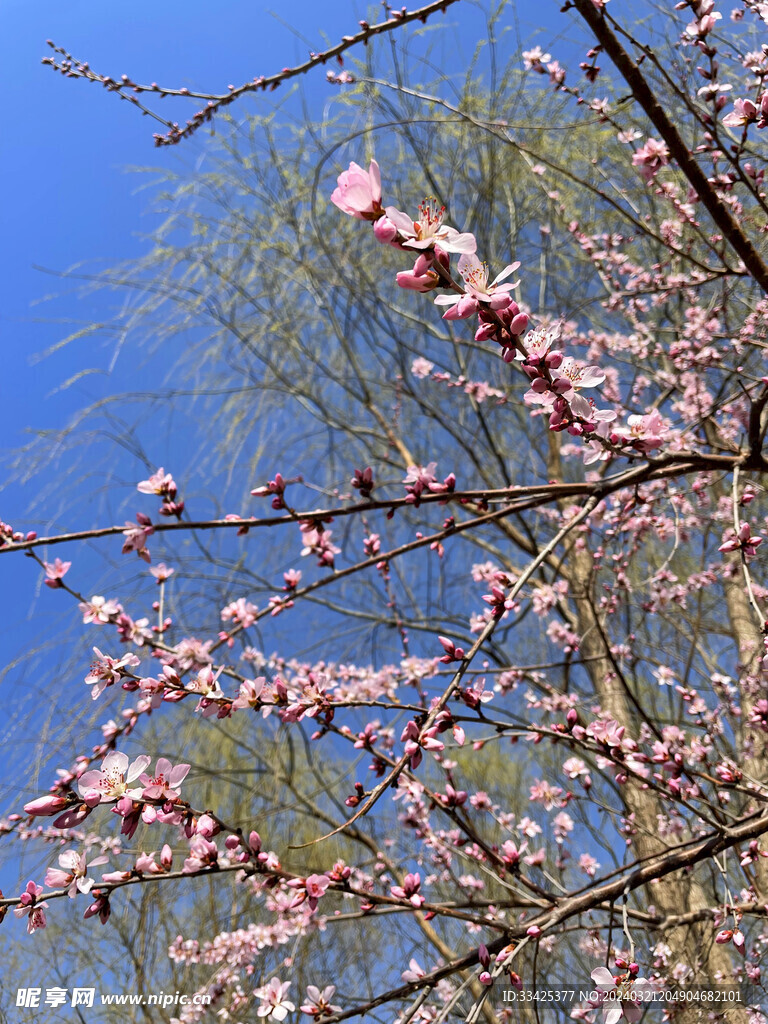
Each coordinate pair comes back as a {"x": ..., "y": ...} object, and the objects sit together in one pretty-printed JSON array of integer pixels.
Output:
[{"x": 556, "y": 379}]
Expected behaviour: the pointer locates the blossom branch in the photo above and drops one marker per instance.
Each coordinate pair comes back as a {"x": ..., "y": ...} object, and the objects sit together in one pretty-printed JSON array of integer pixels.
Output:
[{"x": 721, "y": 215}]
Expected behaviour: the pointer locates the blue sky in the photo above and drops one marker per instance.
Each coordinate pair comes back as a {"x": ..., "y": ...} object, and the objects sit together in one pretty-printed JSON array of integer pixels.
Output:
[{"x": 67, "y": 144}]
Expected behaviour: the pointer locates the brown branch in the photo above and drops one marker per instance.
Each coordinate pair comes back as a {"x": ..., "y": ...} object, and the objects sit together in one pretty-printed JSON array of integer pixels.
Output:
[
  {"x": 662, "y": 467},
  {"x": 72, "y": 68}
]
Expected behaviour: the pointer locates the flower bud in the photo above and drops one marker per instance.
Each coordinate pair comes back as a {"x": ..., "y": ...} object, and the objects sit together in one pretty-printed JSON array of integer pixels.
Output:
[
  {"x": 384, "y": 231},
  {"x": 519, "y": 324},
  {"x": 44, "y": 806}
]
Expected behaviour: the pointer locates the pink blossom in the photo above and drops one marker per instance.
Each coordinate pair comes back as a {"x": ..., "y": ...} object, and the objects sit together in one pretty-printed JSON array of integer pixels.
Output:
[
  {"x": 645, "y": 432},
  {"x": 571, "y": 375},
  {"x": 423, "y": 278},
  {"x": 136, "y": 535},
  {"x": 147, "y": 865},
  {"x": 409, "y": 890},
  {"x": 111, "y": 781},
  {"x": 567, "y": 380},
  {"x": 250, "y": 694},
  {"x": 429, "y": 229},
  {"x": 318, "y": 1003},
  {"x": 358, "y": 193},
  {"x": 317, "y": 541},
  {"x": 538, "y": 343},
  {"x": 166, "y": 782},
  {"x": 274, "y": 1005},
  {"x": 588, "y": 864},
  {"x": 741, "y": 541},
  {"x": 240, "y": 611},
  {"x": 744, "y": 112},
  {"x": 414, "y": 972},
  {"x": 105, "y": 671},
  {"x": 704, "y": 23},
  {"x": 452, "y": 652},
  {"x": 54, "y": 572},
  {"x": 292, "y": 577},
  {"x": 160, "y": 483},
  {"x": 651, "y": 157},
  {"x": 314, "y": 887},
  {"x": 556, "y": 74},
  {"x": 98, "y": 610},
  {"x": 46, "y": 806},
  {"x": 72, "y": 873},
  {"x": 617, "y": 995},
  {"x": 421, "y": 367},
  {"x": 206, "y": 684},
  {"x": 99, "y": 906},
  {"x": 202, "y": 854},
  {"x": 162, "y": 572},
  {"x": 534, "y": 58},
  {"x": 422, "y": 478},
  {"x": 478, "y": 290},
  {"x": 275, "y": 487},
  {"x": 29, "y": 905}
]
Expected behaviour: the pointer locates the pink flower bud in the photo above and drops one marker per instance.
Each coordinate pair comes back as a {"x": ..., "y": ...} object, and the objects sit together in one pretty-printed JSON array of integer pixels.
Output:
[
  {"x": 44, "y": 806},
  {"x": 384, "y": 231}
]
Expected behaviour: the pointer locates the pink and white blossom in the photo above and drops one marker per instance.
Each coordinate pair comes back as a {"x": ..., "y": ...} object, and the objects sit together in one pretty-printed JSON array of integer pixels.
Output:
[
  {"x": 72, "y": 873},
  {"x": 318, "y": 1003},
  {"x": 274, "y": 1004},
  {"x": 105, "y": 671},
  {"x": 32, "y": 907},
  {"x": 54, "y": 572},
  {"x": 98, "y": 610},
  {"x": 111, "y": 781},
  {"x": 166, "y": 782},
  {"x": 478, "y": 290},
  {"x": 429, "y": 230}
]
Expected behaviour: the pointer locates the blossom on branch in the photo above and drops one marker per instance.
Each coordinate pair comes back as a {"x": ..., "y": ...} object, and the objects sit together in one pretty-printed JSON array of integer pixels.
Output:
[
  {"x": 358, "y": 192},
  {"x": 110, "y": 782},
  {"x": 429, "y": 230},
  {"x": 31, "y": 908},
  {"x": 54, "y": 572},
  {"x": 274, "y": 1005},
  {"x": 72, "y": 873},
  {"x": 478, "y": 290}
]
